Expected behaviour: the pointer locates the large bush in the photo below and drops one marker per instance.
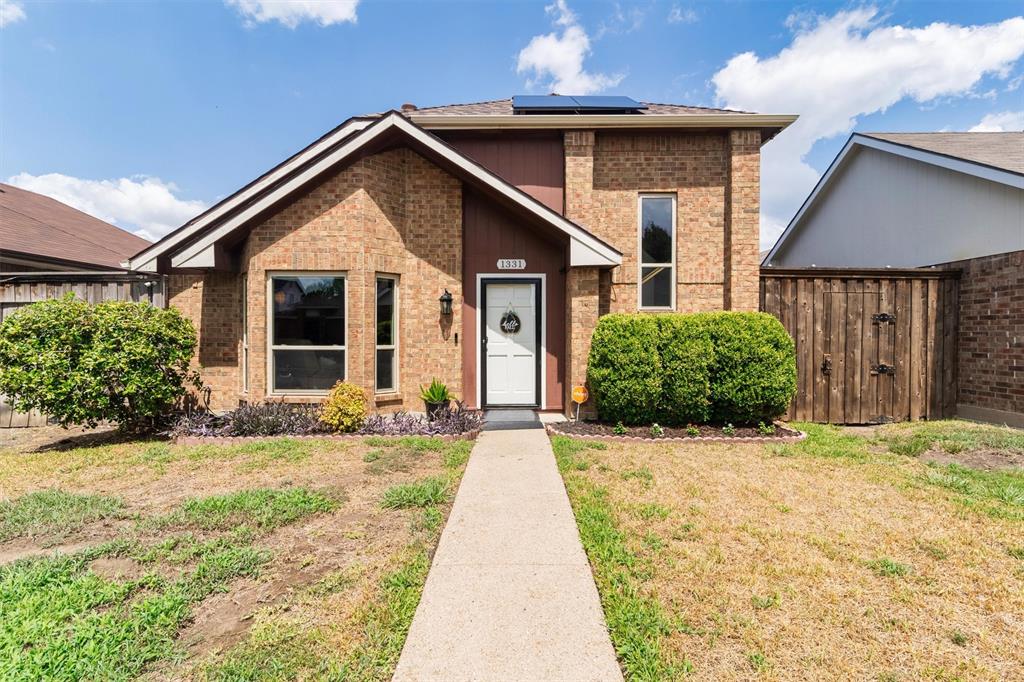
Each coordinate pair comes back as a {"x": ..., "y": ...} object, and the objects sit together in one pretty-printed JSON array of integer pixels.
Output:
[
  {"x": 82, "y": 364},
  {"x": 677, "y": 369},
  {"x": 625, "y": 370}
]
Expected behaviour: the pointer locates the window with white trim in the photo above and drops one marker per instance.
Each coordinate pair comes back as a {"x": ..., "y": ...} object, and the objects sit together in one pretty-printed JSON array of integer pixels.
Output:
[
  {"x": 307, "y": 332},
  {"x": 386, "y": 318},
  {"x": 657, "y": 251}
]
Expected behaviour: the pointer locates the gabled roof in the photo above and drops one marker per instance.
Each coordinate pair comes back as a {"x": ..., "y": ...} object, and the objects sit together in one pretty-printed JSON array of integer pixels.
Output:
[
  {"x": 503, "y": 107},
  {"x": 997, "y": 157},
  {"x": 1004, "y": 151},
  {"x": 195, "y": 244},
  {"x": 35, "y": 225}
]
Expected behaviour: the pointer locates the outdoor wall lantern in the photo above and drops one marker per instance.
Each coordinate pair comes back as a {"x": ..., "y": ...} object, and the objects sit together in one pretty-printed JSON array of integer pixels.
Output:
[{"x": 446, "y": 303}]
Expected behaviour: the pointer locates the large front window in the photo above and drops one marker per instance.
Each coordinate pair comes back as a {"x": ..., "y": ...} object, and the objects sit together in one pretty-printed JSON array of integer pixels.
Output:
[
  {"x": 657, "y": 251},
  {"x": 307, "y": 344}
]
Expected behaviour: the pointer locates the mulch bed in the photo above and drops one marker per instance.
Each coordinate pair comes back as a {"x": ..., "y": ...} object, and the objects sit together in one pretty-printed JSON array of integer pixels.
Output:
[
  {"x": 237, "y": 440},
  {"x": 744, "y": 434}
]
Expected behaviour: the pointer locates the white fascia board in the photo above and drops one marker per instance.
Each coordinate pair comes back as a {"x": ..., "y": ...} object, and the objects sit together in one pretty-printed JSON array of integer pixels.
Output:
[
  {"x": 601, "y": 250},
  {"x": 146, "y": 260},
  {"x": 581, "y": 255},
  {"x": 978, "y": 170}
]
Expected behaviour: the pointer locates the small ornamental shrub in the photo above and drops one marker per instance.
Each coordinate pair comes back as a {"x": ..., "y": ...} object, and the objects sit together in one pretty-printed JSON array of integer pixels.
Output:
[
  {"x": 274, "y": 419},
  {"x": 448, "y": 422},
  {"x": 80, "y": 363},
  {"x": 620, "y": 429},
  {"x": 692, "y": 430},
  {"x": 625, "y": 369},
  {"x": 657, "y": 431},
  {"x": 765, "y": 429},
  {"x": 729, "y": 430},
  {"x": 345, "y": 408}
]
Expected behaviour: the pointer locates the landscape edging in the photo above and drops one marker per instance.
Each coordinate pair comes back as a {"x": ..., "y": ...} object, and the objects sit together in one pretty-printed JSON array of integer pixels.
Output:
[
  {"x": 234, "y": 440},
  {"x": 800, "y": 435}
]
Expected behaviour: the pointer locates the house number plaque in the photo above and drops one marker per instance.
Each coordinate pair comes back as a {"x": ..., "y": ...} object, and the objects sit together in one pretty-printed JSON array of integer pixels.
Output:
[{"x": 511, "y": 263}]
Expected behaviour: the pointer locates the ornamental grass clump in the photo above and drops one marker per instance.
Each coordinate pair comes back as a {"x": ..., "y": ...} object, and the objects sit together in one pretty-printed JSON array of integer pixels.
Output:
[{"x": 345, "y": 408}]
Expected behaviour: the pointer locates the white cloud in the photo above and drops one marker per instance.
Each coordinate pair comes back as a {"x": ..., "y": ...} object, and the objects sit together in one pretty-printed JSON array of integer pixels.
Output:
[
  {"x": 291, "y": 13},
  {"x": 680, "y": 15},
  {"x": 1001, "y": 122},
  {"x": 560, "y": 57},
  {"x": 10, "y": 12},
  {"x": 848, "y": 65},
  {"x": 143, "y": 205}
]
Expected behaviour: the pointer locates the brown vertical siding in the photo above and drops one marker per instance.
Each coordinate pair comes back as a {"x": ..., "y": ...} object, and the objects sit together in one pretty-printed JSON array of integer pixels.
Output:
[
  {"x": 533, "y": 162},
  {"x": 490, "y": 234}
]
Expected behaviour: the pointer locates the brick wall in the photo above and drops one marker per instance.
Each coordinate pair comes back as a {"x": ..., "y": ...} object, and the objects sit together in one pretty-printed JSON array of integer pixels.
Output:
[
  {"x": 991, "y": 337},
  {"x": 391, "y": 213},
  {"x": 716, "y": 180}
]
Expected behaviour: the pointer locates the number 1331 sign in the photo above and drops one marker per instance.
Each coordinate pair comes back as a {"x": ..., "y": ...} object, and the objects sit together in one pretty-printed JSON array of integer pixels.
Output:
[{"x": 511, "y": 263}]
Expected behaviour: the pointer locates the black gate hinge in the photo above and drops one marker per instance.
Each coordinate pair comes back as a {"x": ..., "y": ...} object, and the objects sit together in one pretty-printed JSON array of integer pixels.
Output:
[
  {"x": 883, "y": 368},
  {"x": 879, "y": 318}
]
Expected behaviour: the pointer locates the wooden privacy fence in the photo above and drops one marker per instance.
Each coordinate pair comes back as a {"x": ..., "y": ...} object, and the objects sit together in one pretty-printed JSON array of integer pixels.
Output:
[
  {"x": 872, "y": 346},
  {"x": 18, "y": 289}
]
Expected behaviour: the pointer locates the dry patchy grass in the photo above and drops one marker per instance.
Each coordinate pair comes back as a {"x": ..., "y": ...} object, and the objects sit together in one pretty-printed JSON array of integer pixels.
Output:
[
  {"x": 832, "y": 560},
  {"x": 336, "y": 585}
]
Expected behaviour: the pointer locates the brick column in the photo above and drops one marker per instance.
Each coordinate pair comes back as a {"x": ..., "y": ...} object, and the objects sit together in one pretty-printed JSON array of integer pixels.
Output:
[
  {"x": 582, "y": 311},
  {"x": 743, "y": 209},
  {"x": 579, "y": 175}
]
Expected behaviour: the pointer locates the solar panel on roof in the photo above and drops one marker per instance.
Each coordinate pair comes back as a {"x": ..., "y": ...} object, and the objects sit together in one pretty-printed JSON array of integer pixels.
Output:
[{"x": 533, "y": 104}]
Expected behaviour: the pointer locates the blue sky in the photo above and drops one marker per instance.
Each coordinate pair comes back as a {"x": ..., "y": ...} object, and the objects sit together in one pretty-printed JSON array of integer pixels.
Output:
[{"x": 143, "y": 113}]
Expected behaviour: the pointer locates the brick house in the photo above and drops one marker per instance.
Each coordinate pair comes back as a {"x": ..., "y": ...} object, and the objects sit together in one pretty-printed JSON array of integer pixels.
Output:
[{"x": 533, "y": 216}]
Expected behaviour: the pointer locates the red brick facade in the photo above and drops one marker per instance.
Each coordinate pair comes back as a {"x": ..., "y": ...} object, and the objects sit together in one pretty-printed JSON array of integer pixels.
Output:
[
  {"x": 991, "y": 337},
  {"x": 396, "y": 213}
]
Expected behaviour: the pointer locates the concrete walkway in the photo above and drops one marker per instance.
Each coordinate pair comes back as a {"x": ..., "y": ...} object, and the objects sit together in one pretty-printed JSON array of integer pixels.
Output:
[{"x": 510, "y": 595}]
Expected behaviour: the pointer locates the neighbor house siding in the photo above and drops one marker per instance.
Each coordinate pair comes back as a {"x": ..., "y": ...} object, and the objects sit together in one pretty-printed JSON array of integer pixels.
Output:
[
  {"x": 884, "y": 210},
  {"x": 991, "y": 338}
]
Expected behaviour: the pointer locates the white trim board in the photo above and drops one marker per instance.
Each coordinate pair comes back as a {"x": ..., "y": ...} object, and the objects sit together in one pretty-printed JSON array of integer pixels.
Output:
[
  {"x": 585, "y": 248},
  {"x": 146, "y": 260},
  {"x": 860, "y": 140},
  {"x": 480, "y": 276}
]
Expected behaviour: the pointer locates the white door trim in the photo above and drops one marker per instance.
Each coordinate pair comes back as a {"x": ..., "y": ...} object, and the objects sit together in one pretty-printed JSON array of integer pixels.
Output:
[{"x": 480, "y": 276}]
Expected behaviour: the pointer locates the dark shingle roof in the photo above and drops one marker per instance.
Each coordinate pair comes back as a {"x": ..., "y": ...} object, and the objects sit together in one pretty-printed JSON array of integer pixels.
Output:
[
  {"x": 34, "y": 224},
  {"x": 503, "y": 107},
  {"x": 998, "y": 150}
]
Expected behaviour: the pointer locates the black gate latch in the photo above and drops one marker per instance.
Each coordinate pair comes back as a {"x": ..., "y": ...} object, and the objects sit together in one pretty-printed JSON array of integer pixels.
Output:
[
  {"x": 883, "y": 368},
  {"x": 879, "y": 318},
  {"x": 826, "y": 365}
]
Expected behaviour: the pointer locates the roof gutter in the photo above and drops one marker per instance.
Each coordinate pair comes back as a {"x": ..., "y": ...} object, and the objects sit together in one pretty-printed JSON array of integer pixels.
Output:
[{"x": 563, "y": 121}]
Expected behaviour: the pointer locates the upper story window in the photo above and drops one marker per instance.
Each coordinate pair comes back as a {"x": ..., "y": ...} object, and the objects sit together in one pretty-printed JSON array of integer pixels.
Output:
[
  {"x": 307, "y": 335},
  {"x": 657, "y": 251}
]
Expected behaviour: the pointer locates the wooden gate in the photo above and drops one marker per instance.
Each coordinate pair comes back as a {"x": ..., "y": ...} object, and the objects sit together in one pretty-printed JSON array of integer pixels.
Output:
[
  {"x": 19, "y": 289},
  {"x": 872, "y": 345}
]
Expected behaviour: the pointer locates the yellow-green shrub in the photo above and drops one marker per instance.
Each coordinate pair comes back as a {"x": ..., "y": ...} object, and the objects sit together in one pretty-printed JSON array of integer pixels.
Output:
[{"x": 345, "y": 408}]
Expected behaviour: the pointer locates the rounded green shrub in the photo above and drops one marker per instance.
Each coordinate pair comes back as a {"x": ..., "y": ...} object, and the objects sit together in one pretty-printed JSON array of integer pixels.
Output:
[
  {"x": 679, "y": 369},
  {"x": 754, "y": 370},
  {"x": 127, "y": 363},
  {"x": 345, "y": 408},
  {"x": 624, "y": 368},
  {"x": 686, "y": 355}
]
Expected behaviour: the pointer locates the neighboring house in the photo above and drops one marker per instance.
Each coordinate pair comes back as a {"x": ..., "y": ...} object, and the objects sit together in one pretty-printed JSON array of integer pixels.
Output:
[
  {"x": 948, "y": 200},
  {"x": 38, "y": 233},
  {"x": 475, "y": 243}
]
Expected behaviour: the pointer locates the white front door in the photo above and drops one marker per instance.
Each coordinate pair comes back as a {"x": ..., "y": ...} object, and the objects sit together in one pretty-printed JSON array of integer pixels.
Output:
[{"x": 510, "y": 343}]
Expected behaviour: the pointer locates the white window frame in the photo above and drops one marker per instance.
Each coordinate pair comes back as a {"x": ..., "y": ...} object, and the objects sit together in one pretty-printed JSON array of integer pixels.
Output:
[
  {"x": 395, "y": 334},
  {"x": 271, "y": 347},
  {"x": 640, "y": 251}
]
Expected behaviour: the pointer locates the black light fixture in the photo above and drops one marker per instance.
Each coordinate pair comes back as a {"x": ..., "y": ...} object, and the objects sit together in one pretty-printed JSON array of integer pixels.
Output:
[{"x": 446, "y": 303}]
